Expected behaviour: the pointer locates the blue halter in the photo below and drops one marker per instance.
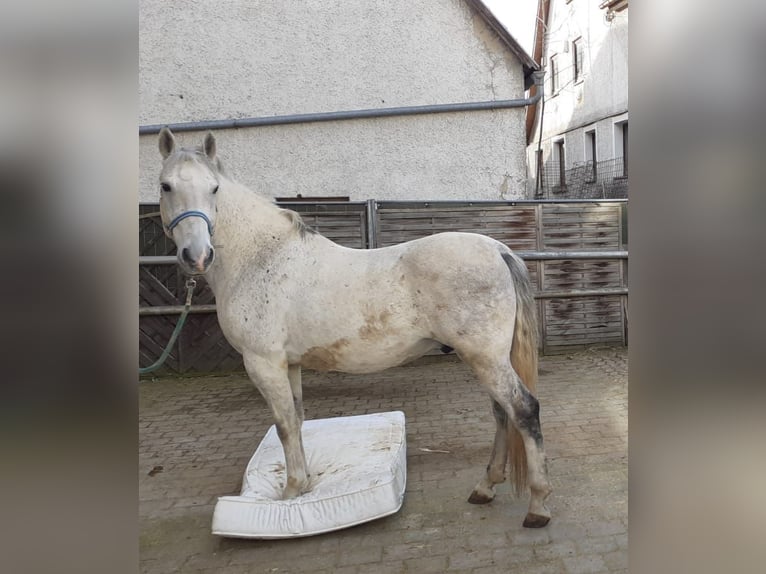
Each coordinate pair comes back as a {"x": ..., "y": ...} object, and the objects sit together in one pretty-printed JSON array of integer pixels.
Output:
[{"x": 179, "y": 218}]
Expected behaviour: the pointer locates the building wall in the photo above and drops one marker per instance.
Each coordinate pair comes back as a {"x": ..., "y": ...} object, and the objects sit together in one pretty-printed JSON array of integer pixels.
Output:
[
  {"x": 596, "y": 101},
  {"x": 221, "y": 60}
]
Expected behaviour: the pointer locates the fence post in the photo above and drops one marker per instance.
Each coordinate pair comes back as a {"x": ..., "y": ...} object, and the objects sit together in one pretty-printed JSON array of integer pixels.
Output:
[
  {"x": 372, "y": 223},
  {"x": 541, "y": 309},
  {"x": 623, "y": 227}
]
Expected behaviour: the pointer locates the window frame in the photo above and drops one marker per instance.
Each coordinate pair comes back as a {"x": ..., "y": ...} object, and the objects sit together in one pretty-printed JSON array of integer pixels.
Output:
[
  {"x": 578, "y": 67},
  {"x": 554, "y": 72},
  {"x": 590, "y": 145},
  {"x": 560, "y": 154},
  {"x": 621, "y": 145}
]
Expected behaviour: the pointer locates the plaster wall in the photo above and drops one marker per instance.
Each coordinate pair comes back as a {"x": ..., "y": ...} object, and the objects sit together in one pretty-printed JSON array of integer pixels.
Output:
[{"x": 231, "y": 59}]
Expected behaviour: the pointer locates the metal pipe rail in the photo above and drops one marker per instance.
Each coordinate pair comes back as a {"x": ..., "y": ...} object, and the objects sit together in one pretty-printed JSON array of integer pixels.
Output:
[
  {"x": 399, "y": 203},
  {"x": 526, "y": 255},
  {"x": 564, "y": 255},
  {"x": 350, "y": 114},
  {"x": 173, "y": 310}
]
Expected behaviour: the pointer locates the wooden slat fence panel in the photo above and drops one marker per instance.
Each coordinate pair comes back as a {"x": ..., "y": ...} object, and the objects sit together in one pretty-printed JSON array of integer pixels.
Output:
[
  {"x": 523, "y": 226},
  {"x": 583, "y": 321},
  {"x": 201, "y": 346},
  {"x": 513, "y": 225},
  {"x": 343, "y": 223},
  {"x": 580, "y": 226}
]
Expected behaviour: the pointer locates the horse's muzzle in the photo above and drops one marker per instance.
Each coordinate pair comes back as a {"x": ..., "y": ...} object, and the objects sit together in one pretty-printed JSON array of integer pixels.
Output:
[{"x": 197, "y": 264}]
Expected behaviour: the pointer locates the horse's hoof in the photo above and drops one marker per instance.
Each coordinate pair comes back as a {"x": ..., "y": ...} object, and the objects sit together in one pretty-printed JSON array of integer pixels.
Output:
[
  {"x": 294, "y": 489},
  {"x": 536, "y": 521},
  {"x": 478, "y": 498}
]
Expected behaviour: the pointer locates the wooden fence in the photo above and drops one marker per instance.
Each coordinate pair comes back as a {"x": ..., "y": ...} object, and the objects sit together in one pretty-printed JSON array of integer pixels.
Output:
[{"x": 575, "y": 251}]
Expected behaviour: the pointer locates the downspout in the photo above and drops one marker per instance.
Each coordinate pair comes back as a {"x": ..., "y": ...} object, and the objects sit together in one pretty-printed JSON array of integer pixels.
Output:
[
  {"x": 538, "y": 155},
  {"x": 349, "y": 114}
]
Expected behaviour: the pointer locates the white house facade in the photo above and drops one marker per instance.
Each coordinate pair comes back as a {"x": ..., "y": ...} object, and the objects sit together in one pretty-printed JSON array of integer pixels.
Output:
[
  {"x": 226, "y": 61},
  {"x": 579, "y": 143}
]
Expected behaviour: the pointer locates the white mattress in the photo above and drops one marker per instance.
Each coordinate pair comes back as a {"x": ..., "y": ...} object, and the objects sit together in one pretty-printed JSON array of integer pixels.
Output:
[{"x": 358, "y": 468}]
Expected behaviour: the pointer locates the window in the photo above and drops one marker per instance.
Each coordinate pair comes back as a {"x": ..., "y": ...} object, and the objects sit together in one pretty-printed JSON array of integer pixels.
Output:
[
  {"x": 560, "y": 159},
  {"x": 621, "y": 145},
  {"x": 590, "y": 156},
  {"x": 625, "y": 149},
  {"x": 554, "y": 72},
  {"x": 578, "y": 53}
]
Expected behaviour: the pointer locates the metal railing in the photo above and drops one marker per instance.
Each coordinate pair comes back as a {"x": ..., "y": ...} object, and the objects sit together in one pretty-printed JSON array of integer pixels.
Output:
[
  {"x": 576, "y": 251},
  {"x": 606, "y": 179},
  {"x": 525, "y": 255}
]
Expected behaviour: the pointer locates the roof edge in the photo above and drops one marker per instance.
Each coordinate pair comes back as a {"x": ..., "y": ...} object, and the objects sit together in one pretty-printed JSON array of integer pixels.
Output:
[
  {"x": 513, "y": 45},
  {"x": 614, "y": 5}
]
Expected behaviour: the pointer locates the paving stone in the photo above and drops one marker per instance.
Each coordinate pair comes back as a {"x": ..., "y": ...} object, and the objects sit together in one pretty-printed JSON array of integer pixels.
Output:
[
  {"x": 584, "y": 564},
  {"x": 428, "y": 564},
  {"x": 360, "y": 556},
  {"x": 203, "y": 430},
  {"x": 470, "y": 559}
]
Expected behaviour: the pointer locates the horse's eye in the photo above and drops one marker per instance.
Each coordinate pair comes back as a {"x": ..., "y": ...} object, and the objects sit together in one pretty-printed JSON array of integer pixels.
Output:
[
  {"x": 165, "y": 186},
  {"x": 215, "y": 189}
]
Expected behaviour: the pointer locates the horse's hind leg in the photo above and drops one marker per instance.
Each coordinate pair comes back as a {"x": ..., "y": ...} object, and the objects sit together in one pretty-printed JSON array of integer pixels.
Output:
[
  {"x": 485, "y": 489},
  {"x": 270, "y": 376},
  {"x": 525, "y": 413},
  {"x": 523, "y": 409}
]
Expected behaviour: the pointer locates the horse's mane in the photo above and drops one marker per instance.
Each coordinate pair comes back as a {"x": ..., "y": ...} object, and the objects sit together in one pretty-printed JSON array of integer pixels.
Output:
[
  {"x": 298, "y": 224},
  {"x": 216, "y": 166}
]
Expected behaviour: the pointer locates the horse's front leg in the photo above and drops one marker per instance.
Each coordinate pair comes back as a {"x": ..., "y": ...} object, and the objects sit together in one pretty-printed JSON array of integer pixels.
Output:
[
  {"x": 270, "y": 376},
  {"x": 294, "y": 374},
  {"x": 296, "y": 386}
]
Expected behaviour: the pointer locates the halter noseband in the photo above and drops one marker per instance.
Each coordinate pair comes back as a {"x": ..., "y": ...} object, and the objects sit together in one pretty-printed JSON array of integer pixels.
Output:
[{"x": 179, "y": 218}]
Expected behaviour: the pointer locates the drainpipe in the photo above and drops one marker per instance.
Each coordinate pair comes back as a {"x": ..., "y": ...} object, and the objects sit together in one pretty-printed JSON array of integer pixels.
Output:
[
  {"x": 538, "y": 155},
  {"x": 350, "y": 114}
]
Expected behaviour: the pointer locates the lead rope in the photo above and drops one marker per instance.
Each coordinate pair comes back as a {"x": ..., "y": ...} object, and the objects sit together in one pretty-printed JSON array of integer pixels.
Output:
[{"x": 190, "y": 285}]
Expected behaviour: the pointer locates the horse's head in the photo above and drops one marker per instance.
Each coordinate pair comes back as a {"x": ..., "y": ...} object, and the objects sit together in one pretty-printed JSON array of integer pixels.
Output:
[{"x": 188, "y": 183}]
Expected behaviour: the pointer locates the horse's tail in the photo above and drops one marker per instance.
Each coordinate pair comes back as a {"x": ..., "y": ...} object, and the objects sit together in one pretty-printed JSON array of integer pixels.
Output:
[{"x": 523, "y": 360}]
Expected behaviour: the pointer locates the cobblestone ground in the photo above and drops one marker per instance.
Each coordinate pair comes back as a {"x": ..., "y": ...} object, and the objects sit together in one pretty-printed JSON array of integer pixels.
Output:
[{"x": 197, "y": 435}]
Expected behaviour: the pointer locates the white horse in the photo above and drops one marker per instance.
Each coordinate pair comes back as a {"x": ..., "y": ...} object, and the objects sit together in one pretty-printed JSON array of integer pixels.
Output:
[{"x": 288, "y": 298}]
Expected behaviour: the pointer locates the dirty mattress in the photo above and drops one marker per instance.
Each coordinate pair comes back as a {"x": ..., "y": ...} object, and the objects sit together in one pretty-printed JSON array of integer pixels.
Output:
[{"x": 358, "y": 471}]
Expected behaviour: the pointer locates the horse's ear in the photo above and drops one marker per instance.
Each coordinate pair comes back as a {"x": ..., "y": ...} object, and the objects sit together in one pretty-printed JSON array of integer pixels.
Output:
[
  {"x": 209, "y": 146},
  {"x": 167, "y": 142}
]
